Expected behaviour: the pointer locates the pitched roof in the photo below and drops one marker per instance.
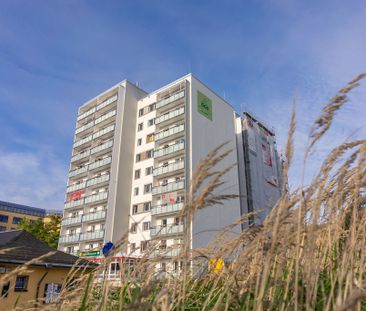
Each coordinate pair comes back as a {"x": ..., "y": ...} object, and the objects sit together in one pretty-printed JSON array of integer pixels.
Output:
[{"x": 25, "y": 247}]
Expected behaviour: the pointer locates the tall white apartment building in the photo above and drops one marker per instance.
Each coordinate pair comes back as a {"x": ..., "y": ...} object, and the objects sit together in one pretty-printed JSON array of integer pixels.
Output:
[{"x": 134, "y": 154}]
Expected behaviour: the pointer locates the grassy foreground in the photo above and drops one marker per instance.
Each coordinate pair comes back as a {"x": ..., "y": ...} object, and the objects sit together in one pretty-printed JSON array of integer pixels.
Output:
[{"x": 309, "y": 254}]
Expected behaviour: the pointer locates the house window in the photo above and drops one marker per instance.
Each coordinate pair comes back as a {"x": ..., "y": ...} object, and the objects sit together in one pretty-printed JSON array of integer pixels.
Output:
[
  {"x": 4, "y": 218},
  {"x": 163, "y": 267},
  {"x": 147, "y": 206},
  {"x": 135, "y": 209},
  {"x": 17, "y": 220},
  {"x": 150, "y": 153},
  {"x": 146, "y": 225},
  {"x": 133, "y": 247},
  {"x": 150, "y": 138},
  {"x": 137, "y": 174},
  {"x": 164, "y": 222},
  {"x": 147, "y": 188},
  {"x": 5, "y": 290},
  {"x": 139, "y": 142},
  {"x": 162, "y": 244},
  {"x": 141, "y": 112},
  {"x": 133, "y": 228},
  {"x": 149, "y": 170},
  {"x": 151, "y": 122},
  {"x": 51, "y": 292},
  {"x": 176, "y": 221},
  {"x": 140, "y": 127},
  {"x": 144, "y": 245},
  {"x": 136, "y": 191},
  {"x": 138, "y": 157},
  {"x": 3, "y": 228},
  {"x": 151, "y": 107},
  {"x": 21, "y": 283}
]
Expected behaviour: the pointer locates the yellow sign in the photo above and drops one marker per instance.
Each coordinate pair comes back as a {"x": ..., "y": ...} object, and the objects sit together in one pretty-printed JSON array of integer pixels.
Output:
[{"x": 216, "y": 265}]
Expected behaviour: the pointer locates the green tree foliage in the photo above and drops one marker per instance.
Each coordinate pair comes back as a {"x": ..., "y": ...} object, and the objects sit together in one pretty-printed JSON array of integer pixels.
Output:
[{"x": 47, "y": 230}]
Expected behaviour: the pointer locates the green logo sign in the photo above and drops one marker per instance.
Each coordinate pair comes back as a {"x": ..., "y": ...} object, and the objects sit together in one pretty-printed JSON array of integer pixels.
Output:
[
  {"x": 89, "y": 254},
  {"x": 204, "y": 105}
]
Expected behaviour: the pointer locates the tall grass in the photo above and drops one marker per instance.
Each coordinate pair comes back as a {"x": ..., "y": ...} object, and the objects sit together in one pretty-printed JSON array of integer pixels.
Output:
[{"x": 309, "y": 253}]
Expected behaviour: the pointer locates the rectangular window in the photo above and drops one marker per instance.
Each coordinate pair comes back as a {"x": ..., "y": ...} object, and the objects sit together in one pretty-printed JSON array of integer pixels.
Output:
[
  {"x": 146, "y": 225},
  {"x": 17, "y": 220},
  {"x": 149, "y": 170},
  {"x": 162, "y": 244},
  {"x": 144, "y": 245},
  {"x": 147, "y": 188},
  {"x": 150, "y": 153},
  {"x": 51, "y": 292},
  {"x": 3, "y": 228},
  {"x": 147, "y": 206},
  {"x": 141, "y": 112},
  {"x": 135, "y": 209},
  {"x": 4, "y": 218},
  {"x": 152, "y": 107},
  {"x": 21, "y": 283},
  {"x": 136, "y": 191},
  {"x": 163, "y": 267},
  {"x": 164, "y": 222},
  {"x": 133, "y": 228},
  {"x": 151, "y": 122},
  {"x": 5, "y": 289},
  {"x": 150, "y": 138},
  {"x": 138, "y": 157},
  {"x": 133, "y": 247},
  {"x": 137, "y": 174},
  {"x": 139, "y": 142},
  {"x": 140, "y": 127}
]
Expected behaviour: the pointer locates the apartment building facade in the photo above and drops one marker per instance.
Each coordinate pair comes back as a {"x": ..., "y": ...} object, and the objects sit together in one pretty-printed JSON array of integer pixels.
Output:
[{"x": 130, "y": 169}]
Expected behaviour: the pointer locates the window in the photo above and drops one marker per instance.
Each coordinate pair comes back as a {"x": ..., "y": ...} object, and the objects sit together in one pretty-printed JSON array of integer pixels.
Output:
[
  {"x": 151, "y": 107},
  {"x": 147, "y": 188},
  {"x": 136, "y": 191},
  {"x": 176, "y": 221},
  {"x": 21, "y": 283},
  {"x": 139, "y": 142},
  {"x": 149, "y": 170},
  {"x": 163, "y": 222},
  {"x": 144, "y": 245},
  {"x": 141, "y": 112},
  {"x": 162, "y": 244},
  {"x": 150, "y": 153},
  {"x": 17, "y": 220},
  {"x": 135, "y": 209},
  {"x": 137, "y": 174},
  {"x": 138, "y": 157},
  {"x": 146, "y": 225},
  {"x": 51, "y": 292},
  {"x": 2, "y": 228},
  {"x": 4, "y": 218},
  {"x": 133, "y": 228},
  {"x": 140, "y": 127},
  {"x": 147, "y": 206},
  {"x": 5, "y": 290},
  {"x": 163, "y": 267},
  {"x": 151, "y": 122},
  {"x": 133, "y": 247},
  {"x": 176, "y": 266},
  {"x": 150, "y": 138}
]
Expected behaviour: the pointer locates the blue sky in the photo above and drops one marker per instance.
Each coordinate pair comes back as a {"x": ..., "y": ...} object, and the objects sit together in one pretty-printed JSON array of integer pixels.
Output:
[{"x": 54, "y": 55}]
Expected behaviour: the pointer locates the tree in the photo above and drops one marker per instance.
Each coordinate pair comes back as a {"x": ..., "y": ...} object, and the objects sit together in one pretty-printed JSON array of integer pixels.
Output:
[{"x": 46, "y": 230}]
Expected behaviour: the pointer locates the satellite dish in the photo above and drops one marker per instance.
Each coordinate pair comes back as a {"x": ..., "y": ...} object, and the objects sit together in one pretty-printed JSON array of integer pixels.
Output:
[{"x": 107, "y": 248}]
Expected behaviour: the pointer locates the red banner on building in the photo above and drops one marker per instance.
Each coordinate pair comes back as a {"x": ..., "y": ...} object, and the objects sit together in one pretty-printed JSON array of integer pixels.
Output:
[{"x": 75, "y": 195}]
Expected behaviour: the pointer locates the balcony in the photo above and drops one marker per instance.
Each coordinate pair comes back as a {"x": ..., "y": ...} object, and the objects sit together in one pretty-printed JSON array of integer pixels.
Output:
[
  {"x": 95, "y": 235},
  {"x": 83, "y": 141},
  {"x": 172, "y": 186},
  {"x": 164, "y": 170},
  {"x": 108, "y": 129},
  {"x": 169, "y": 132},
  {"x": 166, "y": 209},
  {"x": 80, "y": 156},
  {"x": 74, "y": 203},
  {"x": 99, "y": 215},
  {"x": 84, "y": 127},
  {"x": 75, "y": 187},
  {"x": 101, "y": 148},
  {"x": 97, "y": 180},
  {"x": 100, "y": 163},
  {"x": 170, "y": 116},
  {"x": 107, "y": 102},
  {"x": 96, "y": 197},
  {"x": 78, "y": 171},
  {"x": 168, "y": 230},
  {"x": 168, "y": 150},
  {"x": 105, "y": 117},
  {"x": 71, "y": 221},
  {"x": 169, "y": 100},
  {"x": 69, "y": 238},
  {"x": 169, "y": 252},
  {"x": 86, "y": 114}
]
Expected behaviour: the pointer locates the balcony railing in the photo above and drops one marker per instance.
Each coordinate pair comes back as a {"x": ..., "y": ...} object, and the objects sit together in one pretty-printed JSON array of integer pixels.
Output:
[
  {"x": 83, "y": 141},
  {"x": 169, "y": 252},
  {"x": 170, "y": 115},
  {"x": 105, "y": 117},
  {"x": 74, "y": 203},
  {"x": 107, "y": 102},
  {"x": 169, "y": 132},
  {"x": 169, "y": 168},
  {"x": 95, "y": 235},
  {"x": 102, "y": 147},
  {"x": 84, "y": 127},
  {"x": 86, "y": 114},
  {"x": 70, "y": 238},
  {"x": 78, "y": 171},
  {"x": 169, "y": 100},
  {"x": 168, "y": 230},
  {"x": 80, "y": 156},
  {"x": 75, "y": 187},
  {"x": 71, "y": 220},
  {"x": 97, "y": 180},
  {"x": 103, "y": 131},
  {"x": 100, "y": 163},
  {"x": 168, "y": 150},
  {"x": 166, "y": 209},
  {"x": 172, "y": 186},
  {"x": 94, "y": 216},
  {"x": 96, "y": 197}
]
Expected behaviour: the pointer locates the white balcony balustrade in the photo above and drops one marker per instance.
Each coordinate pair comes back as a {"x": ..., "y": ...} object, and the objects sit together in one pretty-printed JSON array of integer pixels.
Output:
[
  {"x": 168, "y": 150},
  {"x": 170, "y": 115},
  {"x": 107, "y": 102},
  {"x": 71, "y": 220},
  {"x": 80, "y": 156},
  {"x": 168, "y": 230},
  {"x": 75, "y": 187},
  {"x": 106, "y": 116},
  {"x": 167, "y": 209},
  {"x": 96, "y": 197},
  {"x": 94, "y": 216},
  {"x": 69, "y": 238},
  {"x": 169, "y": 100},
  {"x": 94, "y": 235},
  {"x": 86, "y": 114},
  {"x": 104, "y": 131},
  {"x": 169, "y": 132},
  {"x": 172, "y": 186},
  {"x": 169, "y": 168},
  {"x": 100, "y": 163},
  {"x": 74, "y": 203},
  {"x": 101, "y": 147},
  {"x": 84, "y": 127},
  {"x": 78, "y": 171},
  {"x": 83, "y": 141},
  {"x": 97, "y": 180}
]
